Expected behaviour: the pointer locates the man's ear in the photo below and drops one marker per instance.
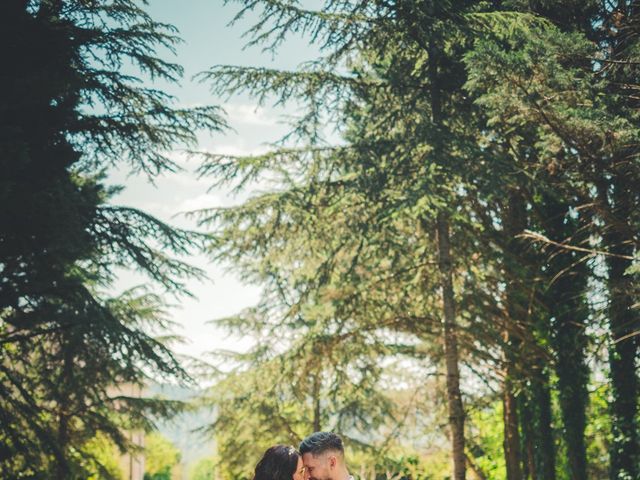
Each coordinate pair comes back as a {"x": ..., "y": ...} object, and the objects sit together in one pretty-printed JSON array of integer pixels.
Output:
[{"x": 333, "y": 461}]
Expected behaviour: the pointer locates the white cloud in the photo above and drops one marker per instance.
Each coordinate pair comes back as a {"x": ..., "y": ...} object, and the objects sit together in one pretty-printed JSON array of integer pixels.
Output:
[
  {"x": 250, "y": 115},
  {"x": 238, "y": 149},
  {"x": 205, "y": 200}
]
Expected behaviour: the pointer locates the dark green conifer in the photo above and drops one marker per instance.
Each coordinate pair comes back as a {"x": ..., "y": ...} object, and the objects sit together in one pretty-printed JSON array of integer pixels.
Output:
[{"x": 71, "y": 106}]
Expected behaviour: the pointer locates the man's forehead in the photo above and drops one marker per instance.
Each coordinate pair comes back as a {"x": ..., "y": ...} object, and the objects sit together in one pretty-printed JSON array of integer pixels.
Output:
[{"x": 309, "y": 457}]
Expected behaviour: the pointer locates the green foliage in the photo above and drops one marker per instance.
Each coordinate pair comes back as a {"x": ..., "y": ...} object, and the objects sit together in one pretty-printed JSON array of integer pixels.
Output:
[
  {"x": 205, "y": 469},
  {"x": 106, "y": 454},
  {"x": 598, "y": 432},
  {"x": 160, "y": 457},
  {"x": 486, "y": 429}
]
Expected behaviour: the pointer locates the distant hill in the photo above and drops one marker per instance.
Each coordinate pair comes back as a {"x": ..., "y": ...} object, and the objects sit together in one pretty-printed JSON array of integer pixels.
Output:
[{"x": 182, "y": 431}]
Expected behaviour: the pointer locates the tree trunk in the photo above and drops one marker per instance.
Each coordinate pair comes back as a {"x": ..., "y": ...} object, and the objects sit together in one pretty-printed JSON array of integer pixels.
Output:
[
  {"x": 623, "y": 350},
  {"x": 511, "y": 443},
  {"x": 454, "y": 396},
  {"x": 618, "y": 195},
  {"x": 61, "y": 466},
  {"x": 544, "y": 452},
  {"x": 65, "y": 392},
  {"x": 317, "y": 426},
  {"x": 516, "y": 302},
  {"x": 535, "y": 420},
  {"x": 529, "y": 453},
  {"x": 566, "y": 302},
  {"x": 527, "y": 426}
]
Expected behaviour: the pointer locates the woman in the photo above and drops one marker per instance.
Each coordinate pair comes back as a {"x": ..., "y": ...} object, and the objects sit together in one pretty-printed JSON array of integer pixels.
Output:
[{"x": 280, "y": 462}]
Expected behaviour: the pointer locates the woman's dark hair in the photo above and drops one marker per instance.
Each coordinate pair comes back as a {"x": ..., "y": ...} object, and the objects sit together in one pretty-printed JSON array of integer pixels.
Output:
[{"x": 278, "y": 463}]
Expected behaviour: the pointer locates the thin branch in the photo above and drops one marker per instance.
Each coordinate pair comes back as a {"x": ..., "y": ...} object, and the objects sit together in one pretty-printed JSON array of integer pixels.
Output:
[{"x": 541, "y": 238}]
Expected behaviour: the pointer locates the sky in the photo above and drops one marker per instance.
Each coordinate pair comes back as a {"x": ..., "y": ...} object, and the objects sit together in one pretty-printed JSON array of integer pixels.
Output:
[{"x": 208, "y": 41}]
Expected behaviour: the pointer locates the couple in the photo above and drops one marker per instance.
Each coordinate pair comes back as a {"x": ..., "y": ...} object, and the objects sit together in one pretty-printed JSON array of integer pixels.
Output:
[{"x": 321, "y": 457}]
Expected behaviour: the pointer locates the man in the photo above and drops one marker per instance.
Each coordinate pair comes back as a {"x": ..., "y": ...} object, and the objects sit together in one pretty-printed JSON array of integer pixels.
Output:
[{"x": 323, "y": 457}]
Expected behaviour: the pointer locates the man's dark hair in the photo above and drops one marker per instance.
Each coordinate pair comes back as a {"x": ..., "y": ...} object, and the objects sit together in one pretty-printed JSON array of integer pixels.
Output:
[
  {"x": 278, "y": 463},
  {"x": 320, "y": 442}
]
